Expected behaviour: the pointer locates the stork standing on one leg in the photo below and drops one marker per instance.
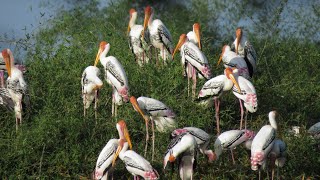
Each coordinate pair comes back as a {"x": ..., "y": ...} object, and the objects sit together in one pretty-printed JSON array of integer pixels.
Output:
[
  {"x": 215, "y": 88},
  {"x": 114, "y": 75}
]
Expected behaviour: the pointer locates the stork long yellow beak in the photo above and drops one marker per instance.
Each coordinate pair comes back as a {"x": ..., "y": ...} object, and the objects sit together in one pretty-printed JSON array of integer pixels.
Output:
[
  {"x": 182, "y": 40},
  {"x": 127, "y": 136},
  {"x": 219, "y": 61},
  {"x": 135, "y": 105},
  {"x": 7, "y": 60},
  {"x": 97, "y": 57},
  {"x": 196, "y": 30},
  {"x": 235, "y": 82},
  {"x": 238, "y": 35},
  {"x": 146, "y": 20},
  {"x": 128, "y": 30},
  {"x": 117, "y": 152}
]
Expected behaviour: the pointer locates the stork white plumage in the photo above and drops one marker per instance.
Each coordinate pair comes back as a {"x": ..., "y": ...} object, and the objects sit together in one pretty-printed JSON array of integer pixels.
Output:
[
  {"x": 182, "y": 148},
  {"x": 91, "y": 84},
  {"x": 262, "y": 143},
  {"x": 137, "y": 42},
  {"x": 314, "y": 130},
  {"x": 244, "y": 48},
  {"x": 160, "y": 36},
  {"x": 191, "y": 55},
  {"x": 247, "y": 94},
  {"x": 278, "y": 155},
  {"x": 16, "y": 85},
  {"x": 215, "y": 88},
  {"x": 229, "y": 140},
  {"x": 231, "y": 59},
  {"x": 158, "y": 113},
  {"x": 104, "y": 169},
  {"x": 202, "y": 138},
  {"x": 137, "y": 165},
  {"x": 114, "y": 75}
]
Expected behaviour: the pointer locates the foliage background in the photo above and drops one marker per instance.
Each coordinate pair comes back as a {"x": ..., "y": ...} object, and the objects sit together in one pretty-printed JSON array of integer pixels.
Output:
[{"x": 56, "y": 141}]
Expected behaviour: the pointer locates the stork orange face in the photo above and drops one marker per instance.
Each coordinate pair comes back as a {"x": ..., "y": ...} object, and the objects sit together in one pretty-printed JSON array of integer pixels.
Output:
[
  {"x": 238, "y": 35},
  {"x": 131, "y": 14},
  {"x": 196, "y": 30},
  {"x": 102, "y": 46},
  {"x": 229, "y": 74},
  {"x": 125, "y": 131},
  {"x": 7, "y": 60},
  {"x": 182, "y": 40},
  {"x": 223, "y": 50},
  {"x": 136, "y": 106}
]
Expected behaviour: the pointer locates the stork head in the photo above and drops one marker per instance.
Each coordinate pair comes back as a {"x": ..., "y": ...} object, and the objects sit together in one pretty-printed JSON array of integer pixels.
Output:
[
  {"x": 7, "y": 60},
  {"x": 196, "y": 30},
  {"x": 238, "y": 35},
  {"x": 222, "y": 52},
  {"x": 123, "y": 132},
  {"x": 147, "y": 14},
  {"x": 229, "y": 73},
  {"x": 136, "y": 106},
  {"x": 133, "y": 13},
  {"x": 102, "y": 46},
  {"x": 182, "y": 40}
]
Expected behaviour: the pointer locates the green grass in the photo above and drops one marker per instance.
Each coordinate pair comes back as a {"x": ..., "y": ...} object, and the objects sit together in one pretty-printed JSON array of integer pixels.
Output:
[{"x": 56, "y": 141}]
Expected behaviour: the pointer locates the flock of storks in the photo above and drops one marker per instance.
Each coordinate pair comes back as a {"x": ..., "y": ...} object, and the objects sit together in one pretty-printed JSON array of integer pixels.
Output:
[{"x": 240, "y": 65}]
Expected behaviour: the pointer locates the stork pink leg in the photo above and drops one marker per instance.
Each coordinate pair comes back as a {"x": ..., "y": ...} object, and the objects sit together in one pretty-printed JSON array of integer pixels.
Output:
[
  {"x": 233, "y": 161},
  {"x": 153, "y": 139},
  {"x": 147, "y": 139},
  {"x": 217, "y": 106},
  {"x": 194, "y": 78},
  {"x": 95, "y": 104},
  {"x": 241, "y": 109},
  {"x": 245, "y": 120}
]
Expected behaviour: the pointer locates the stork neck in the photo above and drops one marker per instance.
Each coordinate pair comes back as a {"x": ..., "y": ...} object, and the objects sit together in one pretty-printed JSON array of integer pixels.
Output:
[
  {"x": 273, "y": 122},
  {"x": 105, "y": 51},
  {"x": 150, "y": 19},
  {"x": 133, "y": 19},
  {"x": 123, "y": 150}
]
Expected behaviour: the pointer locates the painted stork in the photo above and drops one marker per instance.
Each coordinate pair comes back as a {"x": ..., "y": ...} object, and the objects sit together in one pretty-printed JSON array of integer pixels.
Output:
[
  {"x": 103, "y": 169},
  {"x": 263, "y": 142},
  {"x": 182, "y": 148},
  {"x": 137, "y": 165},
  {"x": 277, "y": 155},
  {"x": 231, "y": 59},
  {"x": 229, "y": 140},
  {"x": 16, "y": 85},
  {"x": 160, "y": 36},
  {"x": 137, "y": 42},
  {"x": 91, "y": 84},
  {"x": 243, "y": 47},
  {"x": 158, "y": 113},
  {"x": 194, "y": 35},
  {"x": 114, "y": 75},
  {"x": 202, "y": 138},
  {"x": 247, "y": 94},
  {"x": 195, "y": 60},
  {"x": 215, "y": 88}
]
